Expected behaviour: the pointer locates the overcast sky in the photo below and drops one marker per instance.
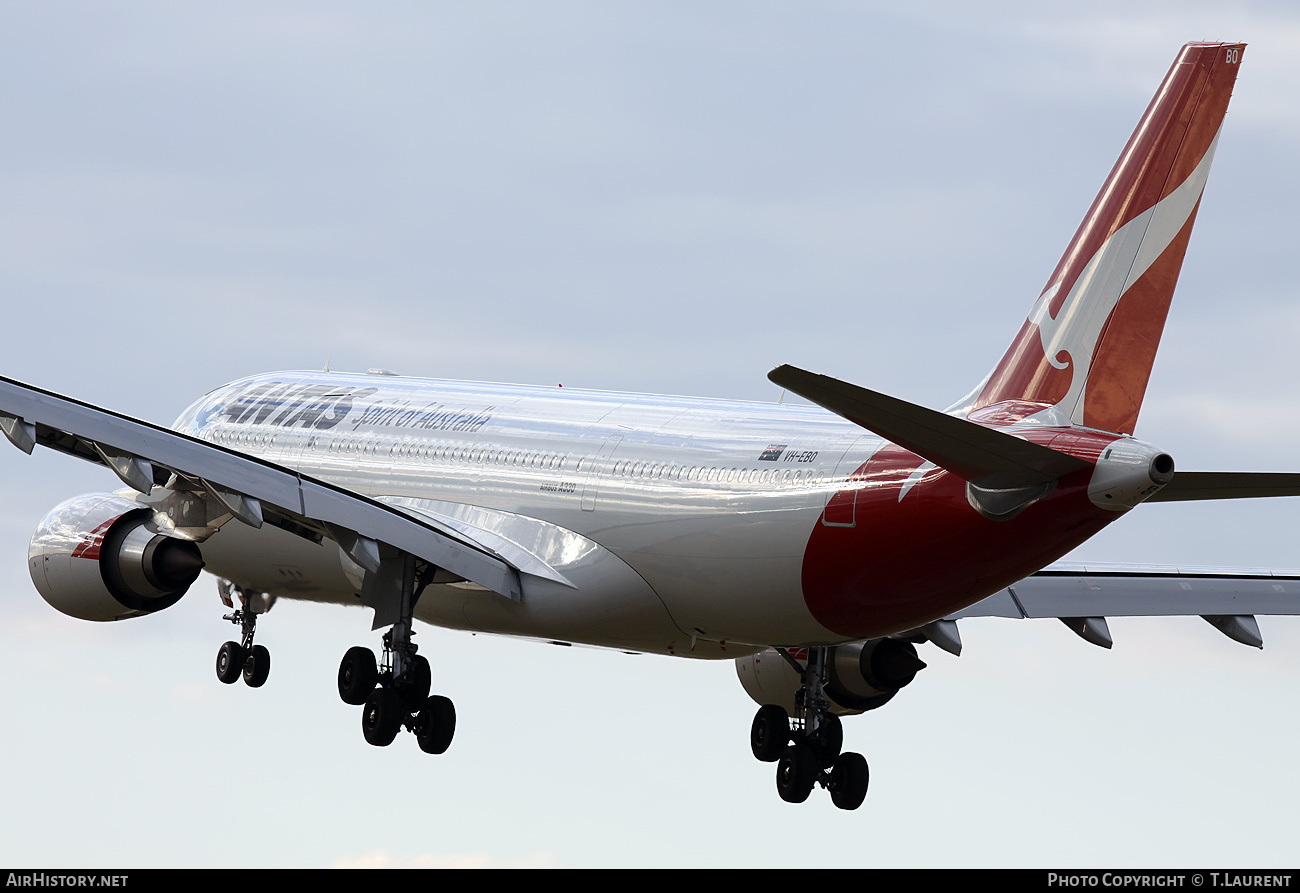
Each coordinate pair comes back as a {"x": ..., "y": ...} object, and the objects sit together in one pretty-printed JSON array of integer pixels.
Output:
[{"x": 666, "y": 197}]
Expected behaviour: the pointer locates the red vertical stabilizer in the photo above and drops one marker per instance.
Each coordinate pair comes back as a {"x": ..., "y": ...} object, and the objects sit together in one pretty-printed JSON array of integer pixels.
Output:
[{"x": 1089, "y": 342}]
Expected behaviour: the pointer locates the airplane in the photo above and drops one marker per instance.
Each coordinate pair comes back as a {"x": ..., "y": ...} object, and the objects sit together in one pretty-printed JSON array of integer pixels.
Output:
[{"x": 816, "y": 546}]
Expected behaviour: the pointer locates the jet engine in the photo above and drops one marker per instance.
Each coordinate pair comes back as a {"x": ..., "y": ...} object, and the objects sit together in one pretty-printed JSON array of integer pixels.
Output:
[
  {"x": 863, "y": 675},
  {"x": 100, "y": 557}
]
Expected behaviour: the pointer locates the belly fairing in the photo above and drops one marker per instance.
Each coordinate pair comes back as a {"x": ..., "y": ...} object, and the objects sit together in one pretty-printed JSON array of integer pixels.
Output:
[{"x": 608, "y": 604}]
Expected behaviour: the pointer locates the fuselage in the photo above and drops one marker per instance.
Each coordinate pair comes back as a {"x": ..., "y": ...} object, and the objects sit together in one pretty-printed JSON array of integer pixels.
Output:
[{"x": 697, "y": 526}]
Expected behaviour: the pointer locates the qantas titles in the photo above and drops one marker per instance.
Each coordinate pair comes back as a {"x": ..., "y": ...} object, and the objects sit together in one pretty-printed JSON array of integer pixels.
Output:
[{"x": 324, "y": 406}]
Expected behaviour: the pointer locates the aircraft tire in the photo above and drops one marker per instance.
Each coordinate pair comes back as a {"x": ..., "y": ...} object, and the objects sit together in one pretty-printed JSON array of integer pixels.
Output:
[
  {"x": 830, "y": 741},
  {"x": 414, "y": 685},
  {"x": 796, "y": 773},
  {"x": 770, "y": 733},
  {"x": 849, "y": 780},
  {"x": 230, "y": 662},
  {"x": 436, "y": 724},
  {"x": 357, "y": 675},
  {"x": 381, "y": 718},
  {"x": 258, "y": 667}
]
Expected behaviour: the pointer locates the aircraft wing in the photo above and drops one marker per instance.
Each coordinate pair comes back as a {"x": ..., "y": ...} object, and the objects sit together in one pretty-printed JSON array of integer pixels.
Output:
[
  {"x": 249, "y": 489},
  {"x": 1084, "y": 595},
  {"x": 519, "y": 557}
]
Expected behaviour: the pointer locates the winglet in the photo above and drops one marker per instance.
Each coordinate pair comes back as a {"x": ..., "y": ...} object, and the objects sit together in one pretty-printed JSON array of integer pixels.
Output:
[{"x": 969, "y": 450}]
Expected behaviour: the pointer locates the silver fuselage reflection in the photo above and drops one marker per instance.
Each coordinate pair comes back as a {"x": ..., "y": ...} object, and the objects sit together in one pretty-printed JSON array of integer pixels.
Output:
[{"x": 681, "y": 521}]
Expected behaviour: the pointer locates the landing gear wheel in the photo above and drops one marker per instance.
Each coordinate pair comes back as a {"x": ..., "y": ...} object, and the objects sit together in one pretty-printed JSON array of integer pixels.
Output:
[
  {"x": 436, "y": 724},
  {"x": 230, "y": 662},
  {"x": 796, "y": 773},
  {"x": 234, "y": 658},
  {"x": 257, "y": 667},
  {"x": 402, "y": 698},
  {"x": 381, "y": 719},
  {"x": 770, "y": 733},
  {"x": 357, "y": 675},
  {"x": 829, "y": 741},
  {"x": 414, "y": 683},
  {"x": 849, "y": 779}
]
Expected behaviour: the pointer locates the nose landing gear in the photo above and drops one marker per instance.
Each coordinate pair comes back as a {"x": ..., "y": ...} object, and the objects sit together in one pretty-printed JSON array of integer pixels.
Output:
[{"x": 244, "y": 658}]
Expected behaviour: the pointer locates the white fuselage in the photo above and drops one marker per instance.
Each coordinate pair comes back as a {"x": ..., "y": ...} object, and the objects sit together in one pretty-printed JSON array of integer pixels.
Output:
[{"x": 682, "y": 522}]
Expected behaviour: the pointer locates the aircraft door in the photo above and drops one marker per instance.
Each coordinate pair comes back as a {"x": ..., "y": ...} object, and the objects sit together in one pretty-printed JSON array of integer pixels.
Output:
[
  {"x": 841, "y": 505},
  {"x": 598, "y": 465}
]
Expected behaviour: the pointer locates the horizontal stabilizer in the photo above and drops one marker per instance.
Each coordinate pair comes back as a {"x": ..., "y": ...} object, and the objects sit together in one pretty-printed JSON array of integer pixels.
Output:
[
  {"x": 1194, "y": 485},
  {"x": 970, "y": 451}
]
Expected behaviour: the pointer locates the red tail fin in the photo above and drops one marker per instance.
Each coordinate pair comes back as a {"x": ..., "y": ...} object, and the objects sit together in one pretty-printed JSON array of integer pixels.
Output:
[{"x": 1089, "y": 342}]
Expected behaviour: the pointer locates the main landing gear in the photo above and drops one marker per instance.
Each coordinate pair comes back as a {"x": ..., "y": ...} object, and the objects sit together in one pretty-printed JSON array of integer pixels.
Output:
[
  {"x": 807, "y": 747},
  {"x": 244, "y": 658},
  {"x": 394, "y": 692}
]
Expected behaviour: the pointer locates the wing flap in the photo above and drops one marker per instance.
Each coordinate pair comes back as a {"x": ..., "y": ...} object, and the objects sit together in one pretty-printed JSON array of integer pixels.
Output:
[
  {"x": 507, "y": 549},
  {"x": 1131, "y": 590},
  {"x": 1083, "y": 596},
  {"x": 1118, "y": 590}
]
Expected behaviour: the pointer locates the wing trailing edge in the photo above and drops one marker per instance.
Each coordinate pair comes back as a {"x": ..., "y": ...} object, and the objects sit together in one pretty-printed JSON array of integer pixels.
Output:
[{"x": 1082, "y": 596}]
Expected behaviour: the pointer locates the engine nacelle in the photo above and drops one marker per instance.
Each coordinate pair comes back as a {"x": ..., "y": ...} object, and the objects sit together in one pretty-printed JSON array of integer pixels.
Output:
[
  {"x": 863, "y": 675},
  {"x": 99, "y": 557}
]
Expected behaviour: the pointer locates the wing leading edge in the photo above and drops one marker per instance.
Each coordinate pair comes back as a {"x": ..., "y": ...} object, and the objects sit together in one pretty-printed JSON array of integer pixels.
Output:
[{"x": 232, "y": 485}]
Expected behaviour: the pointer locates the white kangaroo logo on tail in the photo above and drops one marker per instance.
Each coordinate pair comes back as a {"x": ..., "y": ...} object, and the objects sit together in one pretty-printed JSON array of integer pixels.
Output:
[{"x": 1116, "y": 266}]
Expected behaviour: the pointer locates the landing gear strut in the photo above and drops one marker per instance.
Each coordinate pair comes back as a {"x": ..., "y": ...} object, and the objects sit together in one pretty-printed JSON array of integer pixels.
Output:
[
  {"x": 807, "y": 747},
  {"x": 394, "y": 691},
  {"x": 243, "y": 657}
]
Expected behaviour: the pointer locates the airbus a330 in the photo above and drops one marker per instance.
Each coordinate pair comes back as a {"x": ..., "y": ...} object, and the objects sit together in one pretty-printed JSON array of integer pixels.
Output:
[{"x": 816, "y": 546}]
